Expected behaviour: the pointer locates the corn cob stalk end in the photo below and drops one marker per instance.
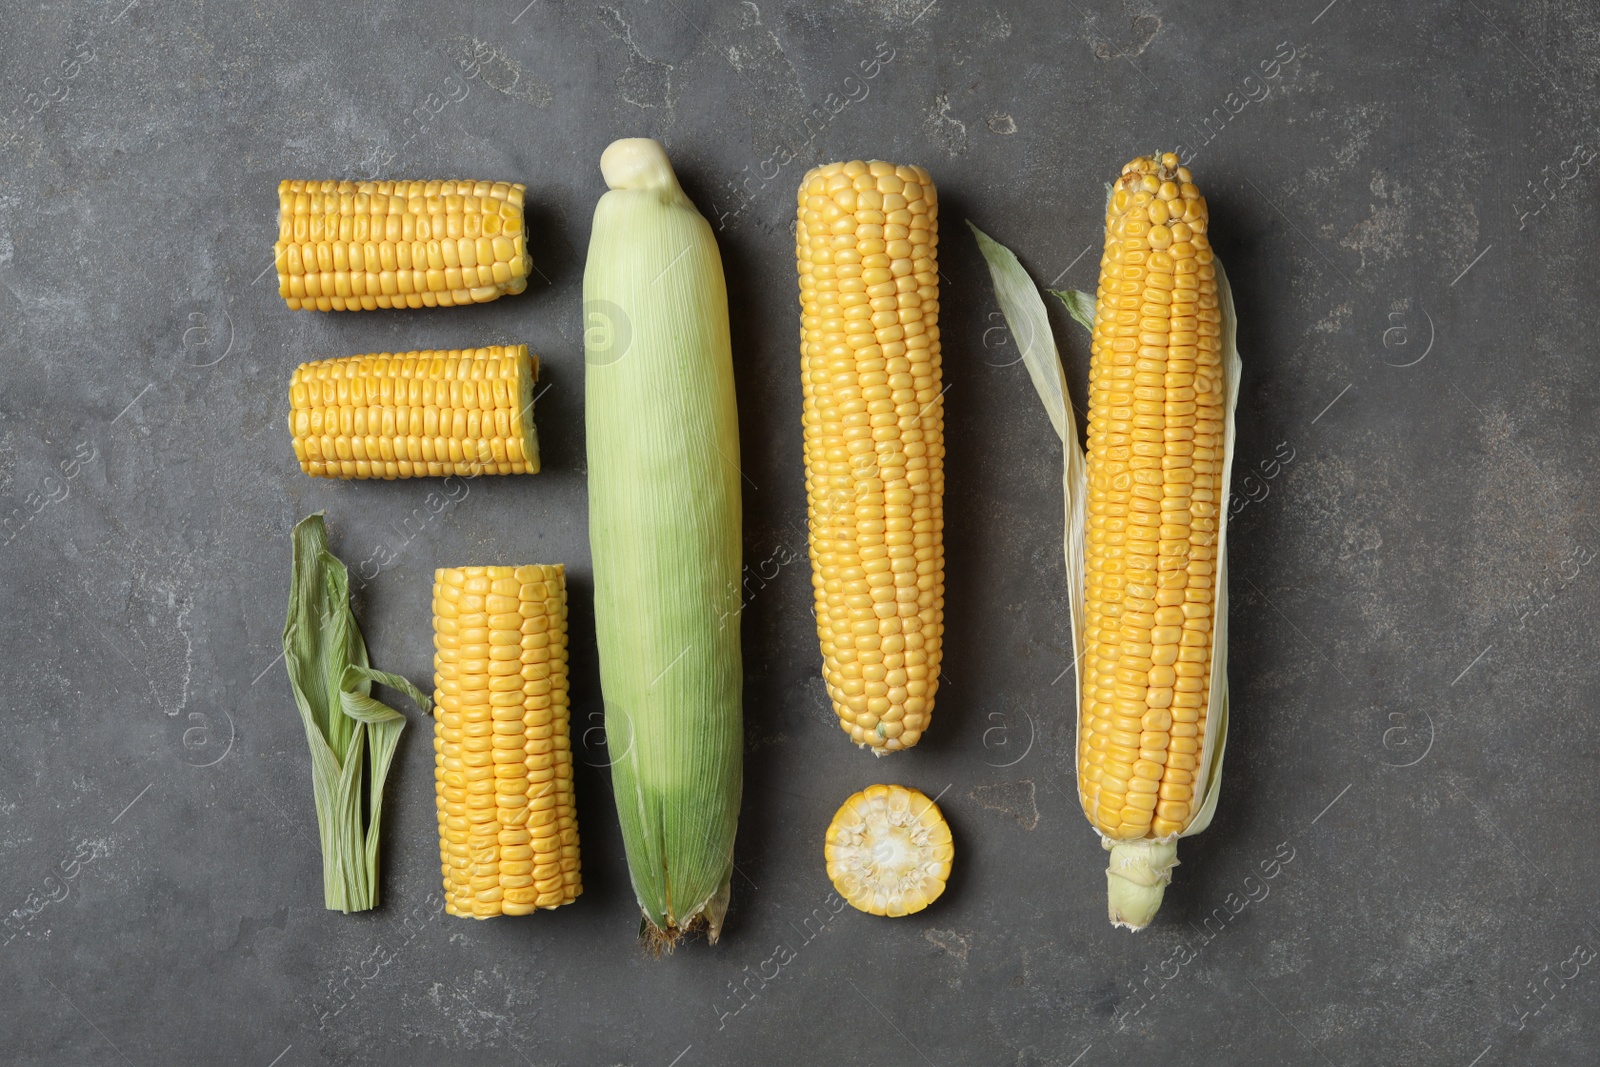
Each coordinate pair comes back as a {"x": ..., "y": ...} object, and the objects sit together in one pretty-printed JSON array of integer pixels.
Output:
[
  {"x": 1136, "y": 879},
  {"x": 660, "y": 940}
]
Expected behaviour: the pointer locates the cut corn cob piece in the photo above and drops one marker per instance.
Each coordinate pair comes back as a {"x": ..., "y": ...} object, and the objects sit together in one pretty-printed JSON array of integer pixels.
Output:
[
  {"x": 354, "y": 246},
  {"x": 873, "y": 416},
  {"x": 508, "y": 829},
  {"x": 416, "y": 414},
  {"x": 889, "y": 850},
  {"x": 1155, "y": 461}
]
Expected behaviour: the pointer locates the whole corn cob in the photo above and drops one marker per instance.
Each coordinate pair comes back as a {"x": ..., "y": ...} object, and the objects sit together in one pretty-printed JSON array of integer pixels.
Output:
[
  {"x": 865, "y": 244},
  {"x": 1146, "y": 528},
  {"x": 416, "y": 414},
  {"x": 1155, "y": 463},
  {"x": 508, "y": 830},
  {"x": 353, "y": 246}
]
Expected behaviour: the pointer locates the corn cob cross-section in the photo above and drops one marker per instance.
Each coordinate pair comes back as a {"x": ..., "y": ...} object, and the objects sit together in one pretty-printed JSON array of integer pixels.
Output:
[
  {"x": 889, "y": 850},
  {"x": 1155, "y": 462},
  {"x": 874, "y": 442},
  {"x": 357, "y": 246},
  {"x": 416, "y": 414},
  {"x": 508, "y": 829}
]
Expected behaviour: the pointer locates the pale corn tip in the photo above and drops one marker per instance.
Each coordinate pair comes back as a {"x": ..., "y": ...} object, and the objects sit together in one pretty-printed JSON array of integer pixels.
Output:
[
  {"x": 358, "y": 246},
  {"x": 1155, "y": 466},
  {"x": 416, "y": 414},
  {"x": 508, "y": 830},
  {"x": 889, "y": 850},
  {"x": 873, "y": 421}
]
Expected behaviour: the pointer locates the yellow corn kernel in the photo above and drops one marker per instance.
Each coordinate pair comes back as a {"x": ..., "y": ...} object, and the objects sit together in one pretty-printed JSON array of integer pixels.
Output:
[
  {"x": 873, "y": 419},
  {"x": 357, "y": 246},
  {"x": 1154, "y": 476},
  {"x": 416, "y": 414},
  {"x": 508, "y": 828},
  {"x": 889, "y": 850}
]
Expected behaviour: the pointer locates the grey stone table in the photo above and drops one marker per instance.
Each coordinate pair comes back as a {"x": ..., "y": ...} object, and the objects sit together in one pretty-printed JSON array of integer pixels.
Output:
[{"x": 1402, "y": 867}]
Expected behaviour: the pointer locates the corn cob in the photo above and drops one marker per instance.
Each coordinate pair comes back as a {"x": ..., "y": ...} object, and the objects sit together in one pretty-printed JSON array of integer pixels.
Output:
[
  {"x": 1155, "y": 463},
  {"x": 353, "y": 246},
  {"x": 874, "y": 442},
  {"x": 508, "y": 831},
  {"x": 664, "y": 534},
  {"x": 416, "y": 414},
  {"x": 889, "y": 850}
]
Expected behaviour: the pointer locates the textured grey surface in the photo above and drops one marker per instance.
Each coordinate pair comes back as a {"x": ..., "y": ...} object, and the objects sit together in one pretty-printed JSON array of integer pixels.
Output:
[{"x": 1415, "y": 586}]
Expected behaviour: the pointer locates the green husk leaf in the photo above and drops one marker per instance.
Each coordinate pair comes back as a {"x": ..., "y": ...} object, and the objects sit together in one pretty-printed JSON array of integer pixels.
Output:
[
  {"x": 1080, "y": 305},
  {"x": 352, "y": 736},
  {"x": 1025, "y": 315},
  {"x": 1133, "y": 897},
  {"x": 665, "y": 536},
  {"x": 1030, "y": 328}
]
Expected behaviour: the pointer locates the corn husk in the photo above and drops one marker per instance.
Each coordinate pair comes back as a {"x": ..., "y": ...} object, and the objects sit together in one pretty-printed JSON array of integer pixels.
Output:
[
  {"x": 1138, "y": 871},
  {"x": 664, "y": 530},
  {"x": 352, "y": 736}
]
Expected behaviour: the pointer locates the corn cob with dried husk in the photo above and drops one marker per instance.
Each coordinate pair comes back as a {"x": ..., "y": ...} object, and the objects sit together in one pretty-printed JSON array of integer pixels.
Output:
[
  {"x": 358, "y": 246},
  {"x": 416, "y": 414},
  {"x": 1146, "y": 533},
  {"x": 664, "y": 530},
  {"x": 1155, "y": 459},
  {"x": 508, "y": 828},
  {"x": 865, "y": 241}
]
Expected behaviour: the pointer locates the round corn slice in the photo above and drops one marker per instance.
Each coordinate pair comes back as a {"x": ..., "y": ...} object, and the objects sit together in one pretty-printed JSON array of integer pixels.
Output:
[{"x": 889, "y": 850}]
